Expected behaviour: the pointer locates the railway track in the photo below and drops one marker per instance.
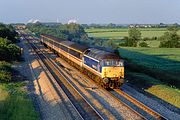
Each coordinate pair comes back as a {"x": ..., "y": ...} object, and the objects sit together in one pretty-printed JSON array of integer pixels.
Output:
[
  {"x": 81, "y": 105},
  {"x": 132, "y": 100},
  {"x": 140, "y": 105},
  {"x": 133, "y": 111}
]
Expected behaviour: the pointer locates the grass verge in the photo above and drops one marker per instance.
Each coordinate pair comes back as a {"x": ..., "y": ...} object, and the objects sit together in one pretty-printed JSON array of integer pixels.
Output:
[
  {"x": 154, "y": 87},
  {"x": 166, "y": 93},
  {"x": 14, "y": 102}
]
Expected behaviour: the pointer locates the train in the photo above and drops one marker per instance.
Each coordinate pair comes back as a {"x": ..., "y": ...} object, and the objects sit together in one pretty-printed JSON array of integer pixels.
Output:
[{"x": 105, "y": 68}]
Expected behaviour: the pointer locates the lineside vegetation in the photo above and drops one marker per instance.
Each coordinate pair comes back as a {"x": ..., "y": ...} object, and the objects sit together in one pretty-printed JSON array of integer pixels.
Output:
[{"x": 14, "y": 102}]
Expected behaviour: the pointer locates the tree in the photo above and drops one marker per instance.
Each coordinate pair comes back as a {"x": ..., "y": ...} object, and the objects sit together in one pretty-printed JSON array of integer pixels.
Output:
[
  {"x": 111, "y": 25},
  {"x": 8, "y": 51},
  {"x": 62, "y": 31},
  {"x": 14, "y": 51},
  {"x": 7, "y": 31},
  {"x": 111, "y": 44},
  {"x": 133, "y": 38},
  {"x": 170, "y": 39}
]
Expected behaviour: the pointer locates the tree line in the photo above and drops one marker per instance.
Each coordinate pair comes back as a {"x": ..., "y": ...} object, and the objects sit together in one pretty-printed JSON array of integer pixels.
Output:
[
  {"x": 75, "y": 32},
  {"x": 170, "y": 38},
  {"x": 64, "y": 31},
  {"x": 8, "y": 50}
]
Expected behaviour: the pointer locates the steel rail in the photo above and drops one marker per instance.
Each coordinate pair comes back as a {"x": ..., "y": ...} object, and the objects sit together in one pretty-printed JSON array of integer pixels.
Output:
[
  {"x": 141, "y": 105},
  {"x": 116, "y": 99},
  {"x": 128, "y": 97},
  {"x": 50, "y": 62},
  {"x": 39, "y": 59}
]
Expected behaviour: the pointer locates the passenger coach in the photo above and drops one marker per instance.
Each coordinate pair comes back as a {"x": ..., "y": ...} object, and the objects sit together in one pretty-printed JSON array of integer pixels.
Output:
[{"x": 106, "y": 68}]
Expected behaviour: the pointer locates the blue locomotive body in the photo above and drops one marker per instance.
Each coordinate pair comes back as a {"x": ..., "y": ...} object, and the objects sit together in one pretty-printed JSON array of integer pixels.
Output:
[{"x": 94, "y": 64}]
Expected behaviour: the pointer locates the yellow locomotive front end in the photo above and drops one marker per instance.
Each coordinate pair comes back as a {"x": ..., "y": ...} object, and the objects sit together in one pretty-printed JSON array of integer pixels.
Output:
[{"x": 113, "y": 73}]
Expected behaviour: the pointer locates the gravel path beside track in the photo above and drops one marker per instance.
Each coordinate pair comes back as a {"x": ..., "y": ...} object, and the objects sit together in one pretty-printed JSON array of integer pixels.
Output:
[{"x": 47, "y": 102}]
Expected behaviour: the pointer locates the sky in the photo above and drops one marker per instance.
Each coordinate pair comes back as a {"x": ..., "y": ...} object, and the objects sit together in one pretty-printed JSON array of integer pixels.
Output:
[{"x": 91, "y": 11}]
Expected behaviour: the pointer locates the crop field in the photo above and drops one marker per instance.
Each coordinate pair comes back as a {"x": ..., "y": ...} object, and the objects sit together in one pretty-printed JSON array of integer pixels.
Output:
[
  {"x": 163, "y": 58},
  {"x": 159, "y": 63},
  {"x": 117, "y": 33}
]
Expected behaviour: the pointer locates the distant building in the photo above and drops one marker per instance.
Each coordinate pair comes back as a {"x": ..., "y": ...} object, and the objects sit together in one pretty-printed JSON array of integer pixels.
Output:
[
  {"x": 33, "y": 21},
  {"x": 140, "y": 26},
  {"x": 72, "y": 21}
]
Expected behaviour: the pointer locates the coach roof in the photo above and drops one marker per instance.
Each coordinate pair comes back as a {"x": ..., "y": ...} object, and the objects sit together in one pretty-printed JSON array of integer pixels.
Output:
[
  {"x": 74, "y": 46},
  {"x": 79, "y": 47},
  {"x": 51, "y": 37}
]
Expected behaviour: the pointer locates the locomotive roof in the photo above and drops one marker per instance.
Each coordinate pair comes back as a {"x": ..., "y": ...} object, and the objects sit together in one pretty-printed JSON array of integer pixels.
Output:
[{"x": 100, "y": 54}]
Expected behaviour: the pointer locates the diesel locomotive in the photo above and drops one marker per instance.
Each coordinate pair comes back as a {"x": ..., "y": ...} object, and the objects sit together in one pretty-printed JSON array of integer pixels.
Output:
[{"x": 105, "y": 68}]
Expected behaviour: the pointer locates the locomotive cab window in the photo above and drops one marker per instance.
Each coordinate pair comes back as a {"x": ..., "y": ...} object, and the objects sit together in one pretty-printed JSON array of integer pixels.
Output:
[{"x": 112, "y": 63}]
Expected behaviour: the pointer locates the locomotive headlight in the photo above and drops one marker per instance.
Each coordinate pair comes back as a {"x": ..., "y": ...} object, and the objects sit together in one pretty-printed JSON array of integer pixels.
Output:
[
  {"x": 121, "y": 63},
  {"x": 115, "y": 75},
  {"x": 105, "y": 80}
]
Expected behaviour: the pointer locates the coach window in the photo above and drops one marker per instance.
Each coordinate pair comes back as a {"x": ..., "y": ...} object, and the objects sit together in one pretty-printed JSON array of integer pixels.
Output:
[{"x": 107, "y": 63}]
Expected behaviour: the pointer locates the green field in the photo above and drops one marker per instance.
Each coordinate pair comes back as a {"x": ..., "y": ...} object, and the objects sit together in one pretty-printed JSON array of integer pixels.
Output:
[
  {"x": 164, "y": 58},
  {"x": 154, "y": 70},
  {"x": 117, "y": 33}
]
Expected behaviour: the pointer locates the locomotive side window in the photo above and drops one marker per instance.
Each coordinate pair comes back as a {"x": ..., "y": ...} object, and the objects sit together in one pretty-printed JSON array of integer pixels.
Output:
[
  {"x": 112, "y": 63},
  {"x": 107, "y": 63}
]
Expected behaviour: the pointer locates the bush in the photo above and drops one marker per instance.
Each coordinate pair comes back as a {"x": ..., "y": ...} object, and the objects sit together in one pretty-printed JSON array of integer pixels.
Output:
[
  {"x": 5, "y": 66},
  {"x": 14, "y": 51},
  {"x": 5, "y": 72},
  {"x": 122, "y": 44},
  {"x": 170, "y": 39},
  {"x": 8, "y": 31},
  {"x": 5, "y": 76},
  {"x": 133, "y": 38},
  {"x": 8, "y": 51},
  {"x": 143, "y": 44}
]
